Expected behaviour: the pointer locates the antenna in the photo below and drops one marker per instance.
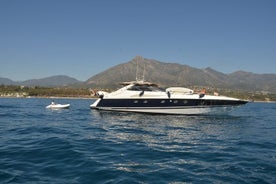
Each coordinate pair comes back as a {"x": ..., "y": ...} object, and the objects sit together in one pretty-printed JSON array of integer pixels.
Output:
[
  {"x": 140, "y": 76},
  {"x": 137, "y": 70},
  {"x": 144, "y": 72}
]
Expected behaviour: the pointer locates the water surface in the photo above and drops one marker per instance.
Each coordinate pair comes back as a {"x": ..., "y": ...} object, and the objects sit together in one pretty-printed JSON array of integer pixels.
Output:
[{"x": 79, "y": 145}]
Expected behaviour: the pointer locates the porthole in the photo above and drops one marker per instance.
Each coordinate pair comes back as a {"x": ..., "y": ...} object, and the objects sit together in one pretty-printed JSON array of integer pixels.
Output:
[
  {"x": 162, "y": 101},
  {"x": 185, "y": 101},
  {"x": 135, "y": 101},
  {"x": 145, "y": 101},
  {"x": 175, "y": 101}
]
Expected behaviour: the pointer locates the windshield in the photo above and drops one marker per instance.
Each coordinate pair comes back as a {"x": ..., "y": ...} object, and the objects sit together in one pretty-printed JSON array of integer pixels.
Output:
[{"x": 138, "y": 87}]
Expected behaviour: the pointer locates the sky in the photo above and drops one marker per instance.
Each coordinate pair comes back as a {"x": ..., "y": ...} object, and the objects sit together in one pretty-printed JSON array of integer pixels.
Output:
[{"x": 81, "y": 38}]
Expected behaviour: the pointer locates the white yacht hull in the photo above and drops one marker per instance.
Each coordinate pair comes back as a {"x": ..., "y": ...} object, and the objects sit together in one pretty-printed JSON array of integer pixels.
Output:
[{"x": 141, "y": 97}]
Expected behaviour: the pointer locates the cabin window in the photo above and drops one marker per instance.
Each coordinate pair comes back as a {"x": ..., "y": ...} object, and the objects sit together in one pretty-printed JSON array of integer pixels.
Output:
[
  {"x": 135, "y": 88},
  {"x": 175, "y": 101},
  {"x": 185, "y": 101},
  {"x": 162, "y": 101},
  {"x": 144, "y": 88},
  {"x": 145, "y": 101},
  {"x": 135, "y": 101}
]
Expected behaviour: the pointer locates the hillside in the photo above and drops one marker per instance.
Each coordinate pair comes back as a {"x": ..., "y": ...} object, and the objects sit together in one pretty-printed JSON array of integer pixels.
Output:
[
  {"x": 6, "y": 81},
  {"x": 53, "y": 81},
  {"x": 162, "y": 73},
  {"x": 173, "y": 74}
]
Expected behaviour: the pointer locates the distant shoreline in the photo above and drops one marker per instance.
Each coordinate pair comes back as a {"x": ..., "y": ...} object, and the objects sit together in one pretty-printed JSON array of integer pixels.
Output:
[{"x": 263, "y": 102}]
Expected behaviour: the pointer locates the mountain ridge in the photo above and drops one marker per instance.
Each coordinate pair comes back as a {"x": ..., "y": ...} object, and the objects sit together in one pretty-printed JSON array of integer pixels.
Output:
[
  {"x": 164, "y": 74},
  {"x": 174, "y": 74},
  {"x": 52, "y": 81}
]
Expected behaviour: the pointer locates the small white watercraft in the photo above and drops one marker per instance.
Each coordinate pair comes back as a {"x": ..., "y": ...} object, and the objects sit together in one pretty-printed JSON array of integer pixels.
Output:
[{"x": 58, "y": 106}]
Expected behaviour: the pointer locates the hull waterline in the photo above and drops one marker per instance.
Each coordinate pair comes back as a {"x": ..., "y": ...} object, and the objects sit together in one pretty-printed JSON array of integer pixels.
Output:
[{"x": 174, "y": 111}]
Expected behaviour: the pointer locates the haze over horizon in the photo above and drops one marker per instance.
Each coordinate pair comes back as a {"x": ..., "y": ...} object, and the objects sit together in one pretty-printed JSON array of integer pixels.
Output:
[{"x": 82, "y": 38}]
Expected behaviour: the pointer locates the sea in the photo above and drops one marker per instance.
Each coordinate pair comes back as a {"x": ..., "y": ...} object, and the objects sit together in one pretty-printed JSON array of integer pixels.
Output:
[{"x": 80, "y": 145}]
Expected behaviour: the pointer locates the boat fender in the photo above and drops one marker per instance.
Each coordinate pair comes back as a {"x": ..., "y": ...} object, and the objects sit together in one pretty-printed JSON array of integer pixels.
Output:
[
  {"x": 201, "y": 95},
  {"x": 100, "y": 95},
  {"x": 141, "y": 93},
  {"x": 169, "y": 94}
]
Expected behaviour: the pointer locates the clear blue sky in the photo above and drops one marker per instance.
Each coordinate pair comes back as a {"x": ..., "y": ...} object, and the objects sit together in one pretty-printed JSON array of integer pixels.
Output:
[{"x": 80, "y": 38}]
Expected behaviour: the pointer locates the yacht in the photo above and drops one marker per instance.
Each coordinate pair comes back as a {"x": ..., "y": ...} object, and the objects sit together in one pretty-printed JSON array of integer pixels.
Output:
[{"x": 146, "y": 97}]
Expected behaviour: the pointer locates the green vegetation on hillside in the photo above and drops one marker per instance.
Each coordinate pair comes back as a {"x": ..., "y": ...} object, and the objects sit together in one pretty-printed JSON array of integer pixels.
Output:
[
  {"x": 21, "y": 91},
  {"x": 252, "y": 96}
]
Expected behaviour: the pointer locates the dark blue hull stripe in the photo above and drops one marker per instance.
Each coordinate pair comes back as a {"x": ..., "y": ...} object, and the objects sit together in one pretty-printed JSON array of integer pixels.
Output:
[{"x": 167, "y": 103}]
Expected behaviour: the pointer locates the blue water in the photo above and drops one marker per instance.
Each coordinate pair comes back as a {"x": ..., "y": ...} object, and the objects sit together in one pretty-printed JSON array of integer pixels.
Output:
[{"x": 79, "y": 145}]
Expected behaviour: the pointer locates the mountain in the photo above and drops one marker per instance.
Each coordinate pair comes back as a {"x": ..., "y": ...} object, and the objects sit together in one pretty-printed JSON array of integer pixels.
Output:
[
  {"x": 58, "y": 80},
  {"x": 164, "y": 74},
  {"x": 53, "y": 81},
  {"x": 256, "y": 82},
  {"x": 6, "y": 81},
  {"x": 173, "y": 74}
]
